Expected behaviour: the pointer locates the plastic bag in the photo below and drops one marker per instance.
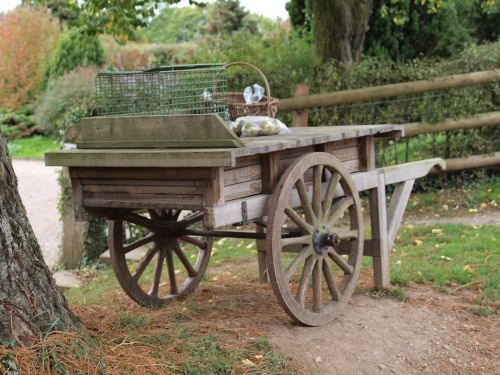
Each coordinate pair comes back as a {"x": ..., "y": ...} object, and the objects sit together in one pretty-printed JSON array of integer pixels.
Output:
[
  {"x": 255, "y": 126},
  {"x": 253, "y": 94}
]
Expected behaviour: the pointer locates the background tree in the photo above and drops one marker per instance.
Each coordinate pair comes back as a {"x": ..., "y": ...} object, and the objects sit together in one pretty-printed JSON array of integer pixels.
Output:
[
  {"x": 27, "y": 39},
  {"x": 225, "y": 16},
  {"x": 340, "y": 27},
  {"x": 30, "y": 303},
  {"x": 76, "y": 49}
]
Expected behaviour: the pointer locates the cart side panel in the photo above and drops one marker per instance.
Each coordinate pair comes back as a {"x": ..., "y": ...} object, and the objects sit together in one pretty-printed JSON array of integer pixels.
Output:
[{"x": 97, "y": 191}]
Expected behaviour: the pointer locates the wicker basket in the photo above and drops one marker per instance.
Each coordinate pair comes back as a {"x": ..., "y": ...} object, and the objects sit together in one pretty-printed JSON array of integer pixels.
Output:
[{"x": 267, "y": 106}]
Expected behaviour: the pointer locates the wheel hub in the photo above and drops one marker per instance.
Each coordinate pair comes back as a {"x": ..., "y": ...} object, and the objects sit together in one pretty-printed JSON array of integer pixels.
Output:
[{"x": 322, "y": 238}]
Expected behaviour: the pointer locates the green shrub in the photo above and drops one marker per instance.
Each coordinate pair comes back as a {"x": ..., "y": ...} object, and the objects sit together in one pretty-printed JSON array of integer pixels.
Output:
[
  {"x": 75, "y": 49},
  {"x": 66, "y": 100}
]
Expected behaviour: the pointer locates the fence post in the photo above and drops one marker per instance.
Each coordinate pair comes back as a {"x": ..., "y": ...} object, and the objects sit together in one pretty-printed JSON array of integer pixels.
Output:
[{"x": 301, "y": 116}]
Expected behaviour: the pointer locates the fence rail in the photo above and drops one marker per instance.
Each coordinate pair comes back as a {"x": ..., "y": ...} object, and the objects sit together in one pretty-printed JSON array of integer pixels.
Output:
[
  {"x": 301, "y": 103},
  {"x": 388, "y": 91}
]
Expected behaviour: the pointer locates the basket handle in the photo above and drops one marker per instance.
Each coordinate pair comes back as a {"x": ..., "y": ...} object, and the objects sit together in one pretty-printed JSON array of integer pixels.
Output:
[{"x": 263, "y": 76}]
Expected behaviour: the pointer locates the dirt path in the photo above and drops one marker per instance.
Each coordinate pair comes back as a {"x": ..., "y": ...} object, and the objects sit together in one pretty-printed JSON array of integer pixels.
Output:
[
  {"x": 39, "y": 191},
  {"x": 390, "y": 337}
]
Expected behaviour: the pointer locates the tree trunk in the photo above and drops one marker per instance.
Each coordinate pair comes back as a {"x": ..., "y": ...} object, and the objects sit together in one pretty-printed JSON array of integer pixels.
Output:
[
  {"x": 30, "y": 303},
  {"x": 340, "y": 27}
]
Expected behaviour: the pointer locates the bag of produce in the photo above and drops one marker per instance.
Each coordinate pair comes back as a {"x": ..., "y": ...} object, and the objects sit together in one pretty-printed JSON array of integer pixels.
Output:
[{"x": 256, "y": 126}]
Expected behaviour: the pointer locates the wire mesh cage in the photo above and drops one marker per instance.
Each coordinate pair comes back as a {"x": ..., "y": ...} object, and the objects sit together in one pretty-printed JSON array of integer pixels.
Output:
[{"x": 165, "y": 90}]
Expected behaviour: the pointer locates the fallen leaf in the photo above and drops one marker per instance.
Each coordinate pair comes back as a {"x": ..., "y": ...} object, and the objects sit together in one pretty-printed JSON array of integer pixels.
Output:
[
  {"x": 221, "y": 241},
  {"x": 418, "y": 242},
  {"x": 250, "y": 245},
  {"x": 472, "y": 210},
  {"x": 437, "y": 231},
  {"x": 398, "y": 262},
  {"x": 259, "y": 356},
  {"x": 468, "y": 268},
  {"x": 445, "y": 207},
  {"x": 483, "y": 205},
  {"x": 247, "y": 362},
  {"x": 410, "y": 226},
  {"x": 445, "y": 258}
]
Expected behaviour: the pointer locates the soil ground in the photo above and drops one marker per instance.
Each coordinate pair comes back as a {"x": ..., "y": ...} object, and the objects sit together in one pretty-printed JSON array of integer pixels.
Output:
[{"x": 430, "y": 333}]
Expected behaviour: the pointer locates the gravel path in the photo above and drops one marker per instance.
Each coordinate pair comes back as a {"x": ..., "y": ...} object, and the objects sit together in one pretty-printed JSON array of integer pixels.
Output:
[{"x": 39, "y": 191}]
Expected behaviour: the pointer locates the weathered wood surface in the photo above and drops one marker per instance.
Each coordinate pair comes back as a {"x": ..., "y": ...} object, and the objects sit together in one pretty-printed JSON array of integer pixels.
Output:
[
  {"x": 156, "y": 131},
  {"x": 212, "y": 157}
]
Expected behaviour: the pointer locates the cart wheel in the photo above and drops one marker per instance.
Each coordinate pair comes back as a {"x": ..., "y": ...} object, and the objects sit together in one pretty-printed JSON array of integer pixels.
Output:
[
  {"x": 148, "y": 282},
  {"x": 311, "y": 279}
]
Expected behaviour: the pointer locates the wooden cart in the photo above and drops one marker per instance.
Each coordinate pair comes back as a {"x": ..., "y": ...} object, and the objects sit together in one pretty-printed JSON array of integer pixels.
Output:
[{"x": 294, "y": 187}]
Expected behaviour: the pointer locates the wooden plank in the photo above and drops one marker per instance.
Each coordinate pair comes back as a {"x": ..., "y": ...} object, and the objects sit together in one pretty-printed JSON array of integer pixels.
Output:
[
  {"x": 138, "y": 158},
  {"x": 141, "y": 182},
  {"x": 270, "y": 171},
  {"x": 244, "y": 189},
  {"x": 135, "y": 197},
  {"x": 367, "y": 153},
  {"x": 257, "y": 205},
  {"x": 141, "y": 173},
  {"x": 397, "y": 207},
  {"x": 77, "y": 195},
  {"x": 301, "y": 116},
  {"x": 201, "y": 130},
  {"x": 213, "y": 188},
  {"x": 206, "y": 157},
  {"x": 142, "y": 203},
  {"x": 143, "y": 189},
  {"x": 237, "y": 175},
  {"x": 411, "y": 170},
  {"x": 378, "y": 216},
  {"x": 245, "y": 161}
]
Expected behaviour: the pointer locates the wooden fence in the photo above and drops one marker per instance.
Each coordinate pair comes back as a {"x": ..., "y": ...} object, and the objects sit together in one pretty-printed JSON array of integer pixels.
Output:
[{"x": 302, "y": 102}]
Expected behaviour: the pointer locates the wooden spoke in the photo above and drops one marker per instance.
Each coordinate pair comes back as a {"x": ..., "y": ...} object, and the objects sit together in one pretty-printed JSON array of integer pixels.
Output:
[
  {"x": 294, "y": 265},
  {"x": 153, "y": 214},
  {"x": 317, "y": 291},
  {"x": 171, "y": 270},
  {"x": 163, "y": 225},
  {"x": 316, "y": 201},
  {"x": 304, "y": 200},
  {"x": 143, "y": 241},
  {"x": 348, "y": 235},
  {"x": 298, "y": 220},
  {"x": 139, "y": 220},
  {"x": 339, "y": 208},
  {"x": 194, "y": 241},
  {"x": 330, "y": 281},
  {"x": 144, "y": 262},
  {"x": 155, "y": 286},
  {"x": 304, "y": 253},
  {"x": 185, "y": 261},
  {"x": 330, "y": 193},
  {"x": 305, "y": 277},
  {"x": 347, "y": 268},
  {"x": 302, "y": 240}
]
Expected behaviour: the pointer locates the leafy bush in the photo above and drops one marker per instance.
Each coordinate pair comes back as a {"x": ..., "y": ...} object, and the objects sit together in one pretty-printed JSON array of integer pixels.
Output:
[
  {"x": 76, "y": 49},
  {"x": 67, "y": 99},
  {"x": 28, "y": 37}
]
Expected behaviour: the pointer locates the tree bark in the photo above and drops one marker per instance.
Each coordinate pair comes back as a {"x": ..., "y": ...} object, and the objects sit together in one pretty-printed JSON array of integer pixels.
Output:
[
  {"x": 340, "y": 27},
  {"x": 30, "y": 303}
]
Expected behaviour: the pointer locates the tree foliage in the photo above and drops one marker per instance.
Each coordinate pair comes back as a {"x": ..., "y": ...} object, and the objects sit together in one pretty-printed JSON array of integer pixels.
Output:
[
  {"x": 225, "y": 16},
  {"x": 76, "y": 49},
  {"x": 27, "y": 39}
]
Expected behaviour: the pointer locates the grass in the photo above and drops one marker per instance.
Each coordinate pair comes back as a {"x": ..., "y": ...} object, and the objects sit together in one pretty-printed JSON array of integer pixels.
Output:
[
  {"x": 472, "y": 198},
  {"x": 33, "y": 147},
  {"x": 450, "y": 257}
]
